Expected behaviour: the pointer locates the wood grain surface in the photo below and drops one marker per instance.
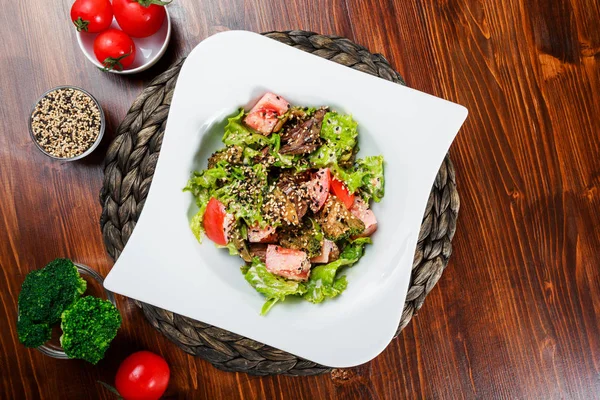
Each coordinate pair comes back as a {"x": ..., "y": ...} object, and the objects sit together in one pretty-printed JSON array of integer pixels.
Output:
[{"x": 516, "y": 315}]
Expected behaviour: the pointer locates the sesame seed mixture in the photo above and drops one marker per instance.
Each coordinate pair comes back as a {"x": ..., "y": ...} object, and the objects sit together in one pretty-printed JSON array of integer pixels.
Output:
[{"x": 66, "y": 122}]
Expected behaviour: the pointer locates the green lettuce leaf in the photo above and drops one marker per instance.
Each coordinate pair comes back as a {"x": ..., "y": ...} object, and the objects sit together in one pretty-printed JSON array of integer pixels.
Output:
[
  {"x": 341, "y": 130},
  {"x": 236, "y": 133},
  {"x": 372, "y": 181},
  {"x": 366, "y": 175},
  {"x": 325, "y": 156},
  {"x": 273, "y": 287},
  {"x": 340, "y": 133},
  {"x": 249, "y": 154},
  {"x": 281, "y": 160},
  {"x": 207, "y": 179},
  {"x": 196, "y": 225},
  {"x": 236, "y": 195},
  {"x": 323, "y": 282},
  {"x": 202, "y": 185},
  {"x": 355, "y": 249}
]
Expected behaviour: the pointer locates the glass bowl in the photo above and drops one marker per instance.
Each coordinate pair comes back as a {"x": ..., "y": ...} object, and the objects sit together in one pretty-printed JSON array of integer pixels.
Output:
[
  {"x": 96, "y": 142},
  {"x": 52, "y": 347}
]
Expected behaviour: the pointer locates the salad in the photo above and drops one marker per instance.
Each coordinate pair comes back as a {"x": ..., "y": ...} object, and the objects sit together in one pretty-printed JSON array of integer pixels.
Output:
[{"x": 289, "y": 196}]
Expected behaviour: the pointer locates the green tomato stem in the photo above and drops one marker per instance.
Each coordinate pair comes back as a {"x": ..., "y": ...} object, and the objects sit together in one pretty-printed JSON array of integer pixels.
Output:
[
  {"x": 115, "y": 63},
  {"x": 81, "y": 24},
  {"x": 111, "y": 388},
  {"x": 148, "y": 3}
]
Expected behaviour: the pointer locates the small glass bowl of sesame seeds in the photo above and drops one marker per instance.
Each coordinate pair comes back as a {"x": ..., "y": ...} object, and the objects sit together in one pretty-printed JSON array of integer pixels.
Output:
[{"x": 66, "y": 123}]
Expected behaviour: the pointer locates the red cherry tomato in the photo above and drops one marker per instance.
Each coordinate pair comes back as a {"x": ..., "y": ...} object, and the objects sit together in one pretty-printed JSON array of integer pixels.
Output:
[
  {"x": 114, "y": 49},
  {"x": 142, "y": 376},
  {"x": 91, "y": 15},
  {"x": 341, "y": 191},
  {"x": 214, "y": 221},
  {"x": 139, "y": 18}
]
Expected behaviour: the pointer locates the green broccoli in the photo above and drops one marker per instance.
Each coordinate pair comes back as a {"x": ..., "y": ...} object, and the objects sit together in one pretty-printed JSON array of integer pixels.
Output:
[
  {"x": 32, "y": 334},
  {"x": 88, "y": 328},
  {"x": 45, "y": 294}
]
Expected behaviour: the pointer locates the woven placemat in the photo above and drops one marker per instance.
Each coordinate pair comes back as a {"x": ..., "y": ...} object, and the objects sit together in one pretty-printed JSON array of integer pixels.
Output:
[{"x": 130, "y": 163}]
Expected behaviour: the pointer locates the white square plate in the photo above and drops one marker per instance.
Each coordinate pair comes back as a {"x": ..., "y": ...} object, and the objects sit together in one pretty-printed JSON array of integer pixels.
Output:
[{"x": 165, "y": 266}]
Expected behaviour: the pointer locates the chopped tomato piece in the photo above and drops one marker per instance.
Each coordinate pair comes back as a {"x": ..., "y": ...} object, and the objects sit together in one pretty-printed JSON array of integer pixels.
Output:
[
  {"x": 216, "y": 222},
  {"x": 265, "y": 114},
  {"x": 288, "y": 263},
  {"x": 361, "y": 210},
  {"x": 341, "y": 191},
  {"x": 318, "y": 189},
  {"x": 329, "y": 251},
  {"x": 262, "y": 235}
]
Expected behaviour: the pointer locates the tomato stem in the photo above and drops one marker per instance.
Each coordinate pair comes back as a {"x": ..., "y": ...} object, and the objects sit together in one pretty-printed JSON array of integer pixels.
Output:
[
  {"x": 111, "y": 388},
  {"x": 148, "y": 3},
  {"x": 81, "y": 24},
  {"x": 115, "y": 63}
]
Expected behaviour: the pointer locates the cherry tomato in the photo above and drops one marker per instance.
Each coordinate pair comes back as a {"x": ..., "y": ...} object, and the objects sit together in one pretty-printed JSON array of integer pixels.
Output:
[
  {"x": 341, "y": 191},
  {"x": 114, "y": 49},
  {"x": 140, "y": 18},
  {"x": 142, "y": 376},
  {"x": 214, "y": 221},
  {"x": 91, "y": 15}
]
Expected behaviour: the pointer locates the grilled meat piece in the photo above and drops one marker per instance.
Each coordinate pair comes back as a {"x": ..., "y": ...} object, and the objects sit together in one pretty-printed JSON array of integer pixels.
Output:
[
  {"x": 307, "y": 237},
  {"x": 231, "y": 154},
  {"x": 240, "y": 244},
  {"x": 292, "y": 186},
  {"x": 304, "y": 138},
  {"x": 337, "y": 221},
  {"x": 329, "y": 253},
  {"x": 279, "y": 208},
  {"x": 258, "y": 250}
]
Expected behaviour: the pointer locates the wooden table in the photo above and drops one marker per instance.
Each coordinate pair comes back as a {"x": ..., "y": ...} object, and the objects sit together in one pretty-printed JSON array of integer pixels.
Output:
[{"x": 517, "y": 312}]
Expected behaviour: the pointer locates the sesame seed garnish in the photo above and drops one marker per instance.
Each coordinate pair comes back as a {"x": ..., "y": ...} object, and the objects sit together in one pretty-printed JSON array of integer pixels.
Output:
[{"x": 66, "y": 122}]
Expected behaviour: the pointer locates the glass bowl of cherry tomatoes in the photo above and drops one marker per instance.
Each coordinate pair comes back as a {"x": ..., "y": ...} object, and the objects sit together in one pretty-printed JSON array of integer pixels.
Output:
[{"x": 122, "y": 36}]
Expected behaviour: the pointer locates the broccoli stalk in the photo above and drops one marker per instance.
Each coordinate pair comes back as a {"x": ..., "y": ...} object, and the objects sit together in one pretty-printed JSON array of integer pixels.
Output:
[
  {"x": 45, "y": 294},
  {"x": 88, "y": 328}
]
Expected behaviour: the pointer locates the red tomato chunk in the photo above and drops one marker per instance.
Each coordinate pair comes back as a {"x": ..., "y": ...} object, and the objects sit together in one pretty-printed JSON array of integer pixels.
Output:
[
  {"x": 216, "y": 222},
  {"x": 341, "y": 191}
]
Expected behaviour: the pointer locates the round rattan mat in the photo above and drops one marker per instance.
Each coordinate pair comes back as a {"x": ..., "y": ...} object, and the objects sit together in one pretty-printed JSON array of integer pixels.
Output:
[{"x": 129, "y": 167}]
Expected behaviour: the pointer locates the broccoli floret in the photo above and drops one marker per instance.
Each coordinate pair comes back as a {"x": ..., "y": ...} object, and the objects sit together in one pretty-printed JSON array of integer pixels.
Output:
[
  {"x": 88, "y": 328},
  {"x": 45, "y": 294},
  {"x": 32, "y": 334}
]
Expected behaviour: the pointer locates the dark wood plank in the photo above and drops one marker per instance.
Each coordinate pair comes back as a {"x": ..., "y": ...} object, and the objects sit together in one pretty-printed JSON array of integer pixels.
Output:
[{"x": 517, "y": 312}]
